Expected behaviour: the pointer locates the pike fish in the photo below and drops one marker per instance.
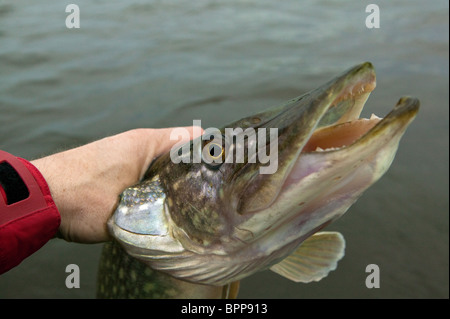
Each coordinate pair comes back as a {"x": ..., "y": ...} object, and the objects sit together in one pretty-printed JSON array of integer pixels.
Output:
[{"x": 195, "y": 229}]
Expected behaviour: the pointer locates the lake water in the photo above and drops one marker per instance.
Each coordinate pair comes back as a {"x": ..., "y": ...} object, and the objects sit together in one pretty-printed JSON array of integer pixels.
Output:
[{"x": 144, "y": 63}]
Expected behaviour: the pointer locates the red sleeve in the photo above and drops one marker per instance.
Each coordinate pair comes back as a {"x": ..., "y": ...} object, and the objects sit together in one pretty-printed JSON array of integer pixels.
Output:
[{"x": 25, "y": 225}]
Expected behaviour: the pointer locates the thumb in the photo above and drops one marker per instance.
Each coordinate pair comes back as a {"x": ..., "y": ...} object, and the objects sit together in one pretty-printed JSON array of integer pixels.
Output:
[
  {"x": 168, "y": 137},
  {"x": 160, "y": 141}
]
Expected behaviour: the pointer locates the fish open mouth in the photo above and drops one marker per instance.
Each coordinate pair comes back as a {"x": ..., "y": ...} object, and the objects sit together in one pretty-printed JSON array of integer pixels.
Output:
[
  {"x": 328, "y": 157},
  {"x": 340, "y": 135},
  {"x": 341, "y": 141},
  {"x": 323, "y": 128},
  {"x": 349, "y": 127},
  {"x": 341, "y": 126}
]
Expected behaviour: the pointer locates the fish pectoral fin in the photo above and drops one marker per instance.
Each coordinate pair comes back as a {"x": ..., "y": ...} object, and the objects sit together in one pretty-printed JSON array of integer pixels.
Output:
[{"x": 313, "y": 259}]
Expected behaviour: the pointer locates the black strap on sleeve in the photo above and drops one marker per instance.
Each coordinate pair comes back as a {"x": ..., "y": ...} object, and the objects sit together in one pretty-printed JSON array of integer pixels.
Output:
[{"x": 12, "y": 184}]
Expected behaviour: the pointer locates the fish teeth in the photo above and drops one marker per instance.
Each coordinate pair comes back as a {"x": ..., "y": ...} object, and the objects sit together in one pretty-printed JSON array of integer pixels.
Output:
[
  {"x": 373, "y": 117},
  {"x": 319, "y": 149}
]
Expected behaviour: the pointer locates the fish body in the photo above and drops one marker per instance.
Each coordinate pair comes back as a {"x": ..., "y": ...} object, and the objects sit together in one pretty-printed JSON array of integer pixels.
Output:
[
  {"x": 215, "y": 221},
  {"x": 122, "y": 276}
]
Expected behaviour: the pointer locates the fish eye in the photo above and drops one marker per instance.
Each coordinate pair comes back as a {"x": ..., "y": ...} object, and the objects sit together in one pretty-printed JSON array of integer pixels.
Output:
[
  {"x": 215, "y": 150},
  {"x": 213, "y": 154}
]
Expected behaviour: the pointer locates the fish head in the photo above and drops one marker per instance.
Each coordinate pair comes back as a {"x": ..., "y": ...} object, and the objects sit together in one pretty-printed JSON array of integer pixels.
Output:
[{"x": 249, "y": 194}]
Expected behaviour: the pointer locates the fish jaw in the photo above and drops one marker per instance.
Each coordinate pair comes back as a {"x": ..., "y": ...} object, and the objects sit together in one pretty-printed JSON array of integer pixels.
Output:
[
  {"x": 323, "y": 184},
  {"x": 338, "y": 101}
]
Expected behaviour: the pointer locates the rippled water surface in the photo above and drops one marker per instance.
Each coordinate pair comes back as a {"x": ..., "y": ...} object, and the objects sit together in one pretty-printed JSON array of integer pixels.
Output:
[{"x": 144, "y": 63}]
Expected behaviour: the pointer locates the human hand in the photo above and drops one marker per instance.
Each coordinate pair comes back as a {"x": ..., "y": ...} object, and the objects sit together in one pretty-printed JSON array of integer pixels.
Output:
[{"x": 85, "y": 182}]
